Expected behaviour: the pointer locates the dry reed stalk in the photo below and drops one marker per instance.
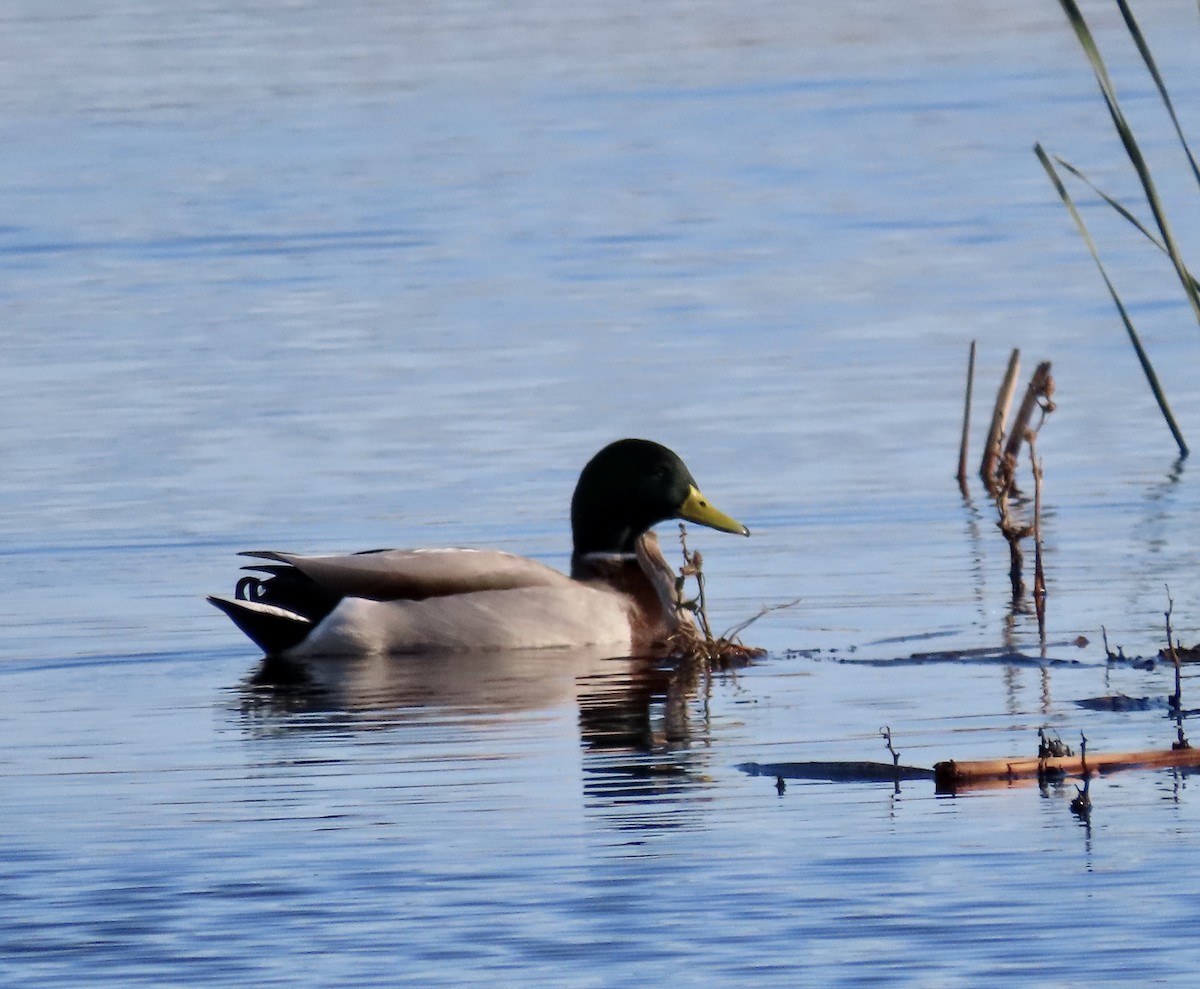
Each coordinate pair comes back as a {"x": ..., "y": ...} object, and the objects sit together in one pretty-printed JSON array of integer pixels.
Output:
[
  {"x": 1039, "y": 576},
  {"x": 991, "y": 451},
  {"x": 1002, "y": 481},
  {"x": 1040, "y": 389},
  {"x": 966, "y": 430}
]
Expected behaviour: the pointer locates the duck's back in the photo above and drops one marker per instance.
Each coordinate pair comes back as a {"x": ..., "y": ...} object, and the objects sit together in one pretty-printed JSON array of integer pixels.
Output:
[
  {"x": 563, "y": 615},
  {"x": 409, "y": 601}
]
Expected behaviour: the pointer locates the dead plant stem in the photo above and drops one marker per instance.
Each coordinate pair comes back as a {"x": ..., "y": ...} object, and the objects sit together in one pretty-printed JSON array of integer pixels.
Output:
[
  {"x": 991, "y": 451},
  {"x": 1039, "y": 576},
  {"x": 966, "y": 430}
]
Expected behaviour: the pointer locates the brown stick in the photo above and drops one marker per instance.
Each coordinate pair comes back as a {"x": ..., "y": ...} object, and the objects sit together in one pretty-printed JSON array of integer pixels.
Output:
[
  {"x": 951, "y": 776},
  {"x": 966, "y": 430},
  {"x": 1004, "y": 397},
  {"x": 1039, "y": 384}
]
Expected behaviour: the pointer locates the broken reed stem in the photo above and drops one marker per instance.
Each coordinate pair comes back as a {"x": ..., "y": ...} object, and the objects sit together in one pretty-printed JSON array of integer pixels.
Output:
[
  {"x": 991, "y": 450},
  {"x": 1002, "y": 479},
  {"x": 966, "y": 430},
  {"x": 1041, "y": 386},
  {"x": 1039, "y": 576}
]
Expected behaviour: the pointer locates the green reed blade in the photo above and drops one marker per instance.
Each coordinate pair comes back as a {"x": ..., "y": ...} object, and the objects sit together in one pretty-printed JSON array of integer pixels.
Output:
[
  {"x": 1143, "y": 357},
  {"x": 1141, "y": 227},
  {"x": 1151, "y": 66},
  {"x": 1125, "y": 132}
]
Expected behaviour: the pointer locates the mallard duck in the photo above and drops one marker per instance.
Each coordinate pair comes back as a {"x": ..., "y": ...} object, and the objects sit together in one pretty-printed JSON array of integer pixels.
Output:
[{"x": 621, "y": 593}]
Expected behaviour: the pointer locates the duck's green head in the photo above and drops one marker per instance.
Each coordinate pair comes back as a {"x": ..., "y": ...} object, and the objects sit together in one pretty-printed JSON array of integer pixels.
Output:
[{"x": 630, "y": 486}]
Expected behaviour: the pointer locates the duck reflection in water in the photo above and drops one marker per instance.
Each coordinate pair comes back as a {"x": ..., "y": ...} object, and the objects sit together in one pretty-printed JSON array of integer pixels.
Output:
[{"x": 638, "y": 718}]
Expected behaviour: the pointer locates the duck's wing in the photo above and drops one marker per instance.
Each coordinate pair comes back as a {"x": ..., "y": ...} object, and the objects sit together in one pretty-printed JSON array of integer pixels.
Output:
[{"x": 417, "y": 574}]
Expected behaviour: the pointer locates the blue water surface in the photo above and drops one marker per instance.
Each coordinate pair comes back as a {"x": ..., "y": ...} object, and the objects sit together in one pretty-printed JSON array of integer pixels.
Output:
[{"x": 326, "y": 278}]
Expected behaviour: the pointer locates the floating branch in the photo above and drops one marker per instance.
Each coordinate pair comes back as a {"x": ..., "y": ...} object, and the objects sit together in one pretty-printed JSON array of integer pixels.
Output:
[{"x": 952, "y": 776}]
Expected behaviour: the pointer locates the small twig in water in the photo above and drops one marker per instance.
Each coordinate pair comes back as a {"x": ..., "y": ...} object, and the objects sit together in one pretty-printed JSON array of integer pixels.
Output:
[
  {"x": 1119, "y": 655},
  {"x": 1176, "y": 699},
  {"x": 1081, "y": 805},
  {"x": 886, "y": 732},
  {"x": 1051, "y": 748}
]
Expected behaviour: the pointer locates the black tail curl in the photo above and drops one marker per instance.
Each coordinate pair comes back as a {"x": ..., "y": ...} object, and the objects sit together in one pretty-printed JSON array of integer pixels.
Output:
[{"x": 289, "y": 589}]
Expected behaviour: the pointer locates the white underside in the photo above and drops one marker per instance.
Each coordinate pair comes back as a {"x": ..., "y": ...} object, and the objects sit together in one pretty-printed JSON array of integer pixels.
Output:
[{"x": 551, "y": 617}]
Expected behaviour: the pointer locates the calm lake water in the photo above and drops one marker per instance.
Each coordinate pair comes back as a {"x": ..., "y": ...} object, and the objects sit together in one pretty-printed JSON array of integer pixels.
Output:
[{"x": 285, "y": 276}]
